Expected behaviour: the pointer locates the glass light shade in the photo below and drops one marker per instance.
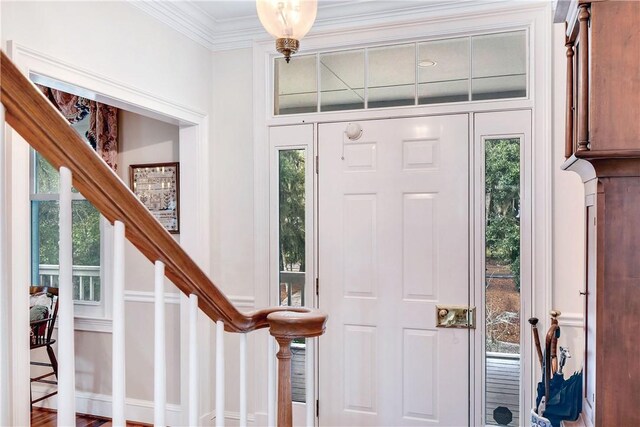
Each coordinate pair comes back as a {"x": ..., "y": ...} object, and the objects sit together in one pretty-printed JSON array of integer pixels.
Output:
[{"x": 287, "y": 19}]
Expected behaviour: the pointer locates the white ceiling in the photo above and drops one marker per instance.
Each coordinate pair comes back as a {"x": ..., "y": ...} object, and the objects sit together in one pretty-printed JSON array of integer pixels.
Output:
[
  {"x": 228, "y": 9},
  {"x": 230, "y": 24}
]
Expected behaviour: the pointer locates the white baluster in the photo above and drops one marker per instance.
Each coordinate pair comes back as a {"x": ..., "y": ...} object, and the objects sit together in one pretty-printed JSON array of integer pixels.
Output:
[
  {"x": 219, "y": 374},
  {"x": 4, "y": 288},
  {"x": 271, "y": 383},
  {"x": 81, "y": 288},
  {"x": 91, "y": 290},
  {"x": 66, "y": 350},
  {"x": 118, "y": 335},
  {"x": 309, "y": 382},
  {"x": 243, "y": 380},
  {"x": 159, "y": 363},
  {"x": 194, "y": 393}
]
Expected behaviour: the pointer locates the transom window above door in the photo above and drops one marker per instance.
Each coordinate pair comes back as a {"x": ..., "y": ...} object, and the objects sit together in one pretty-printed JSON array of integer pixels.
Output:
[{"x": 462, "y": 69}]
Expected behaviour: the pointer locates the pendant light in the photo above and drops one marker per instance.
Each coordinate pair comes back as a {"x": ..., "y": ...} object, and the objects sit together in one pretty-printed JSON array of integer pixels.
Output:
[{"x": 288, "y": 21}]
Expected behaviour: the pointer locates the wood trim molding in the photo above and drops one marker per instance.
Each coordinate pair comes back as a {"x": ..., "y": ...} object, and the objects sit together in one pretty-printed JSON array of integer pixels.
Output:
[
  {"x": 243, "y": 302},
  {"x": 149, "y": 297},
  {"x": 233, "y": 417},
  {"x": 87, "y": 324},
  {"x": 609, "y": 154},
  {"x": 86, "y": 81},
  {"x": 573, "y": 320},
  {"x": 583, "y": 168}
]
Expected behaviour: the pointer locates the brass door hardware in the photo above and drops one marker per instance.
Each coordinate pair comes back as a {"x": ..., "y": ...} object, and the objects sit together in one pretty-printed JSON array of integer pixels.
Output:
[{"x": 455, "y": 316}]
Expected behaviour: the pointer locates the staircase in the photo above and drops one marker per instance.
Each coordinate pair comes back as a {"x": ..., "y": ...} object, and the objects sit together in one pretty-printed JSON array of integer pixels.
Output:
[{"x": 29, "y": 113}]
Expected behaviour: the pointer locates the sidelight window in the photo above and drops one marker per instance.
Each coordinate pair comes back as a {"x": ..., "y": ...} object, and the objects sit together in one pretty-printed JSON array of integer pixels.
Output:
[
  {"x": 502, "y": 281},
  {"x": 293, "y": 271}
]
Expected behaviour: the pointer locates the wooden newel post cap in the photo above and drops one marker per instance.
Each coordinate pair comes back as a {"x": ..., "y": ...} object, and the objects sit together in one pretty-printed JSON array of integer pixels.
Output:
[{"x": 297, "y": 323}]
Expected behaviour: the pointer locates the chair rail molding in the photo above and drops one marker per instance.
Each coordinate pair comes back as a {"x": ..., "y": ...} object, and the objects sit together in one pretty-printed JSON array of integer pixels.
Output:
[
  {"x": 573, "y": 320},
  {"x": 193, "y": 152}
]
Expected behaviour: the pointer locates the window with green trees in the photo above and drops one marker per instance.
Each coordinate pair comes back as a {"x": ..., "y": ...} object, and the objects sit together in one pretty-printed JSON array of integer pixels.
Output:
[
  {"x": 292, "y": 251},
  {"x": 502, "y": 280},
  {"x": 291, "y": 246},
  {"x": 86, "y": 235},
  {"x": 502, "y": 244}
]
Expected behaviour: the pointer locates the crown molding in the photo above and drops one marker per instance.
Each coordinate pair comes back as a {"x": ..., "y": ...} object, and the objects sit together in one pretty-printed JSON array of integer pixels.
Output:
[
  {"x": 191, "y": 20},
  {"x": 184, "y": 17}
]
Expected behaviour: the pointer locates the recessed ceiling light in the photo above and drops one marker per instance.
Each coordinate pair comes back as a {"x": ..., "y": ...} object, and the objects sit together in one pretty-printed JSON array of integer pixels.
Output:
[{"x": 427, "y": 63}]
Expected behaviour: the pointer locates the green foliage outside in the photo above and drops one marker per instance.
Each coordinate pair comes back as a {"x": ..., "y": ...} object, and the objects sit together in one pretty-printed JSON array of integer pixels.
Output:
[
  {"x": 86, "y": 222},
  {"x": 292, "y": 210},
  {"x": 502, "y": 187}
]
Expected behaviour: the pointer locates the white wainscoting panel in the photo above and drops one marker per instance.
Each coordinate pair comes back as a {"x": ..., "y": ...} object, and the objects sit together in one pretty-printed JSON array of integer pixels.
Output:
[
  {"x": 420, "y": 270},
  {"x": 360, "y": 368},
  {"x": 360, "y": 252}
]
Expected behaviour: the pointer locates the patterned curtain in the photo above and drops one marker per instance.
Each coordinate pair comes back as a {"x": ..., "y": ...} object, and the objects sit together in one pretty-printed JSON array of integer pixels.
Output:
[{"x": 103, "y": 121}]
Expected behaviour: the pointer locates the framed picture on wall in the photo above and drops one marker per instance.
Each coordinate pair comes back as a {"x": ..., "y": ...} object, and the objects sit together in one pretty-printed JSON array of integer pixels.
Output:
[{"x": 157, "y": 186}]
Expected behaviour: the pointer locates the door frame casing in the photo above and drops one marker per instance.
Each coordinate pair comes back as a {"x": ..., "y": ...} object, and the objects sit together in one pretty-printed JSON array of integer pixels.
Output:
[
  {"x": 516, "y": 123},
  {"x": 535, "y": 17}
]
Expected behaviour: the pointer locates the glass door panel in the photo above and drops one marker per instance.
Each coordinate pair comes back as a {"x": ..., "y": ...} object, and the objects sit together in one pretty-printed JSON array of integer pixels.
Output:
[
  {"x": 292, "y": 253},
  {"x": 502, "y": 281}
]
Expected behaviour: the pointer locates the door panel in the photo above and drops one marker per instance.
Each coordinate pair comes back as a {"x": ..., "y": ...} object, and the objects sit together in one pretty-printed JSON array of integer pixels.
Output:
[{"x": 393, "y": 244}]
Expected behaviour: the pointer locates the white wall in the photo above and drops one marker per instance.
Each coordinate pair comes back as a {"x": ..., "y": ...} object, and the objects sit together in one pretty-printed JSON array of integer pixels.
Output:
[
  {"x": 144, "y": 140},
  {"x": 231, "y": 158},
  {"x": 127, "y": 46},
  {"x": 568, "y": 221},
  {"x": 114, "y": 39},
  {"x": 232, "y": 178}
]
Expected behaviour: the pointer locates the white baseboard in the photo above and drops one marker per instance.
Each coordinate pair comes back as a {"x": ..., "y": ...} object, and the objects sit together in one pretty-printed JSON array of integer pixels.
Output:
[
  {"x": 136, "y": 410},
  {"x": 100, "y": 405},
  {"x": 230, "y": 419}
]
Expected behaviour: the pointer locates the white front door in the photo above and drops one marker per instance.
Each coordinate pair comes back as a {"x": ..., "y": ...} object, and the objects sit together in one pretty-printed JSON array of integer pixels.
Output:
[{"x": 393, "y": 243}]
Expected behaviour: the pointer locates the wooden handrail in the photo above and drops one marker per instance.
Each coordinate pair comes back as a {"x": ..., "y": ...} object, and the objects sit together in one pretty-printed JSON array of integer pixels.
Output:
[
  {"x": 47, "y": 131},
  {"x": 29, "y": 113}
]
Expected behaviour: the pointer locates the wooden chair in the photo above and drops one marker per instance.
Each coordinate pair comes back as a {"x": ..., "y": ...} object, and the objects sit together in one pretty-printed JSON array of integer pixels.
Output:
[{"x": 41, "y": 332}]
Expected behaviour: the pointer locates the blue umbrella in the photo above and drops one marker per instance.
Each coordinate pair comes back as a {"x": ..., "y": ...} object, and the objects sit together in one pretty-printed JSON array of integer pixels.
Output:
[{"x": 563, "y": 398}]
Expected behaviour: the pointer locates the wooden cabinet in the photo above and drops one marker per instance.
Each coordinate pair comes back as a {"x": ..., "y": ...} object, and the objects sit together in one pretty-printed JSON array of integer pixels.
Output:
[
  {"x": 603, "y": 145},
  {"x": 603, "y": 79}
]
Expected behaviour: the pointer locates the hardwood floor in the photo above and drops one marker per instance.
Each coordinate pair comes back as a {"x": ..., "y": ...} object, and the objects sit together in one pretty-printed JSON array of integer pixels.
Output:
[{"x": 41, "y": 417}]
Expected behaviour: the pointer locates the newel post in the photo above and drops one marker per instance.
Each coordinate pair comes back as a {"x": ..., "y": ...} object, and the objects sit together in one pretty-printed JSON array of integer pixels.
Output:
[{"x": 284, "y": 326}]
